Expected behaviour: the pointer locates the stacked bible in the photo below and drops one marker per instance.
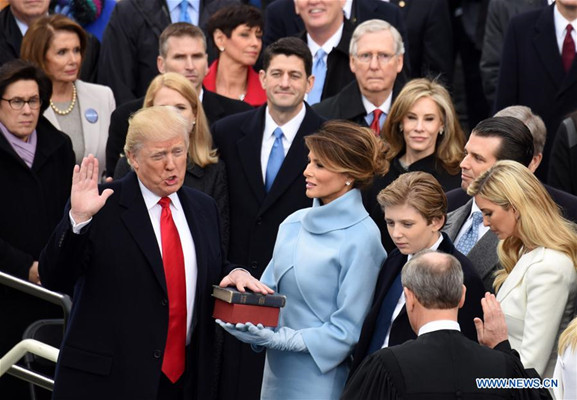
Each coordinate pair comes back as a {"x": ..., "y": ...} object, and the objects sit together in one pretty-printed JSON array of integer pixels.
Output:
[{"x": 232, "y": 306}]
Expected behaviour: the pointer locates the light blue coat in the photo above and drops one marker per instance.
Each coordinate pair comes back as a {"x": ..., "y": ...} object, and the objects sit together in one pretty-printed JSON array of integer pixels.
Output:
[{"x": 326, "y": 261}]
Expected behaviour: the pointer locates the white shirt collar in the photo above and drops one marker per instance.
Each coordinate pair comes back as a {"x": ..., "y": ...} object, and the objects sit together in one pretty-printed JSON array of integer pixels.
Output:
[
  {"x": 289, "y": 129},
  {"x": 328, "y": 45},
  {"x": 440, "y": 325},
  {"x": 561, "y": 27},
  {"x": 385, "y": 107},
  {"x": 347, "y": 8},
  {"x": 151, "y": 199}
]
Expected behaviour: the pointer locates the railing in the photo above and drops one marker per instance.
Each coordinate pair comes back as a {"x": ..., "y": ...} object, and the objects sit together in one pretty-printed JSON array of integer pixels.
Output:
[{"x": 8, "y": 362}]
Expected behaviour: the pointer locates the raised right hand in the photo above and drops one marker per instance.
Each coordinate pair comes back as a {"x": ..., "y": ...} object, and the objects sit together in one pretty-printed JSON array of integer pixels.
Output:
[{"x": 85, "y": 201}]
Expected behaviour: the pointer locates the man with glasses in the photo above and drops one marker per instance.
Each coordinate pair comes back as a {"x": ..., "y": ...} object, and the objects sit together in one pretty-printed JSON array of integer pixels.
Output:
[
  {"x": 36, "y": 162},
  {"x": 376, "y": 58}
]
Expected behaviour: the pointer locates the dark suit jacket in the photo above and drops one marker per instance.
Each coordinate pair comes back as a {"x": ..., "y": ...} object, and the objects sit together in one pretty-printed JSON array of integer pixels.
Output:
[
  {"x": 401, "y": 330},
  {"x": 429, "y": 31},
  {"x": 255, "y": 216},
  {"x": 563, "y": 165},
  {"x": 532, "y": 74},
  {"x": 427, "y": 164},
  {"x": 113, "y": 346},
  {"x": 339, "y": 73},
  {"x": 214, "y": 105},
  {"x": 437, "y": 365},
  {"x": 11, "y": 40},
  {"x": 567, "y": 202},
  {"x": 348, "y": 103},
  {"x": 282, "y": 20}
]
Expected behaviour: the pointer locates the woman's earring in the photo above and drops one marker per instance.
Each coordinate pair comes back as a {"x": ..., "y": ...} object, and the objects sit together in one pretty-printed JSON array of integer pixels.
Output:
[
  {"x": 441, "y": 132},
  {"x": 221, "y": 49},
  {"x": 401, "y": 128},
  {"x": 347, "y": 183}
]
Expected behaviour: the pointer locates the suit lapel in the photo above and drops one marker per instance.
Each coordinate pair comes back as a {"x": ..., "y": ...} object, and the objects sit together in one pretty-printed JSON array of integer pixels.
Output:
[
  {"x": 249, "y": 148},
  {"x": 484, "y": 254},
  {"x": 545, "y": 44},
  {"x": 212, "y": 107},
  {"x": 456, "y": 219},
  {"x": 135, "y": 218},
  {"x": 518, "y": 272},
  {"x": 293, "y": 165},
  {"x": 90, "y": 132}
]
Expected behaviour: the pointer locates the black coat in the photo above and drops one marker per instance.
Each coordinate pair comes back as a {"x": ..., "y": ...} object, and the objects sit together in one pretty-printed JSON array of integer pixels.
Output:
[
  {"x": 563, "y": 163},
  {"x": 427, "y": 164},
  {"x": 255, "y": 216},
  {"x": 348, "y": 103},
  {"x": 11, "y": 40},
  {"x": 401, "y": 330},
  {"x": 30, "y": 208},
  {"x": 214, "y": 105},
  {"x": 113, "y": 346},
  {"x": 429, "y": 31},
  {"x": 532, "y": 74},
  {"x": 443, "y": 364}
]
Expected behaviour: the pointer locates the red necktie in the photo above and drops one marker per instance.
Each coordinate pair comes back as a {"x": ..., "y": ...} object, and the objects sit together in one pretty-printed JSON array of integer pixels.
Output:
[
  {"x": 173, "y": 260},
  {"x": 375, "y": 125},
  {"x": 568, "y": 53}
]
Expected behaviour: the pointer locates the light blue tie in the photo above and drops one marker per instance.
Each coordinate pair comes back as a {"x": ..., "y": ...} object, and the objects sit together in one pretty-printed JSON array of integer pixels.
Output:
[
  {"x": 275, "y": 159},
  {"x": 320, "y": 73},
  {"x": 184, "y": 16},
  {"x": 469, "y": 239}
]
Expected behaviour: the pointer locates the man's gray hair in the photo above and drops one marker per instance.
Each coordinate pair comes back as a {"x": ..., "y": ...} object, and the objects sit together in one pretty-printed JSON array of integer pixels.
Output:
[
  {"x": 372, "y": 26},
  {"x": 532, "y": 121},
  {"x": 435, "y": 278}
]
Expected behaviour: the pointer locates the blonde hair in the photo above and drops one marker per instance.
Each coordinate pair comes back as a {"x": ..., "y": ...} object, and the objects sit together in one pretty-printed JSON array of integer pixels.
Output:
[
  {"x": 449, "y": 147},
  {"x": 419, "y": 190},
  {"x": 568, "y": 338},
  {"x": 539, "y": 224},
  {"x": 200, "y": 148},
  {"x": 345, "y": 147},
  {"x": 155, "y": 124}
]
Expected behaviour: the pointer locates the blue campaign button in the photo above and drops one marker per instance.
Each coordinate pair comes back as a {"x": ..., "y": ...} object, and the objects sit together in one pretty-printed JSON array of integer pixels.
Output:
[{"x": 91, "y": 115}]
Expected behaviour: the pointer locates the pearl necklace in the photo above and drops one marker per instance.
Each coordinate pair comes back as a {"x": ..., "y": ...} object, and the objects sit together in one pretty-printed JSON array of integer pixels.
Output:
[{"x": 70, "y": 107}]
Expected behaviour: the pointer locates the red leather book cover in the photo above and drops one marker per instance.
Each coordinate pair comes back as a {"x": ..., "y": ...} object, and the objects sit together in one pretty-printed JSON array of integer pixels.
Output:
[{"x": 235, "y": 313}]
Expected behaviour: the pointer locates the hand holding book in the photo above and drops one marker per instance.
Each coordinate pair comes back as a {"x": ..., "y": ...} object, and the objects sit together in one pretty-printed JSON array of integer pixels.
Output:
[{"x": 283, "y": 339}]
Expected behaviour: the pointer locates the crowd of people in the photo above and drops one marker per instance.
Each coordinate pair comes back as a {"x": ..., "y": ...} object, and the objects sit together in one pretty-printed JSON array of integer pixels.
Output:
[{"x": 404, "y": 172}]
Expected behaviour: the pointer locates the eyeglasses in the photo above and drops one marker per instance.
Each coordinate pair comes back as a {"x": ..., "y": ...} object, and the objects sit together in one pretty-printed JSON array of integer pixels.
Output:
[
  {"x": 382, "y": 58},
  {"x": 17, "y": 103}
]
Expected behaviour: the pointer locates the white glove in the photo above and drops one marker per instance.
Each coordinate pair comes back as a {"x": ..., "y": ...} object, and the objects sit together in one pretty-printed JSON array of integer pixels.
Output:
[{"x": 283, "y": 339}]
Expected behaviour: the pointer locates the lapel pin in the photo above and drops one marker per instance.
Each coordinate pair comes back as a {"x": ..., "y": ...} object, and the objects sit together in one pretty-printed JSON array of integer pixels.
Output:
[{"x": 91, "y": 115}]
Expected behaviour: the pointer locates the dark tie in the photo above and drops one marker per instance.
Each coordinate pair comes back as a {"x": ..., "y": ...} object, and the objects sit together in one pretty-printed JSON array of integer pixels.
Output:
[
  {"x": 173, "y": 260},
  {"x": 275, "y": 159},
  {"x": 184, "y": 16},
  {"x": 375, "y": 125},
  {"x": 568, "y": 53},
  {"x": 386, "y": 314}
]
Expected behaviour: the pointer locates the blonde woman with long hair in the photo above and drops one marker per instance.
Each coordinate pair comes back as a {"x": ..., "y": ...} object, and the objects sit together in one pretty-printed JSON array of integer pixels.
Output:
[
  {"x": 204, "y": 171},
  {"x": 566, "y": 368},
  {"x": 538, "y": 251}
]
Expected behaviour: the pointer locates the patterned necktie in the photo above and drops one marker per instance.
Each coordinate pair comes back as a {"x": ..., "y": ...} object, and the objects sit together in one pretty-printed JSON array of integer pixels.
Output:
[
  {"x": 184, "y": 16},
  {"x": 173, "y": 260},
  {"x": 275, "y": 159},
  {"x": 469, "y": 239},
  {"x": 376, "y": 125},
  {"x": 568, "y": 53},
  {"x": 320, "y": 73}
]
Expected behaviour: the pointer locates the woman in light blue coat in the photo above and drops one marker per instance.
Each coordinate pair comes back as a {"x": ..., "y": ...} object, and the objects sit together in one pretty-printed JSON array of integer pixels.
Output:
[{"x": 326, "y": 261}]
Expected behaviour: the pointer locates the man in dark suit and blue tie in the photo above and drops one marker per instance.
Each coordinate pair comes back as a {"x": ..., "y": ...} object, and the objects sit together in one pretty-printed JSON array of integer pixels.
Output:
[
  {"x": 263, "y": 193},
  {"x": 140, "y": 256}
]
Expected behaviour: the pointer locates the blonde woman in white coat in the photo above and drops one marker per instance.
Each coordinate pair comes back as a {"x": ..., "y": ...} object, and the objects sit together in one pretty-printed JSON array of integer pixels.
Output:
[
  {"x": 538, "y": 251},
  {"x": 81, "y": 110}
]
